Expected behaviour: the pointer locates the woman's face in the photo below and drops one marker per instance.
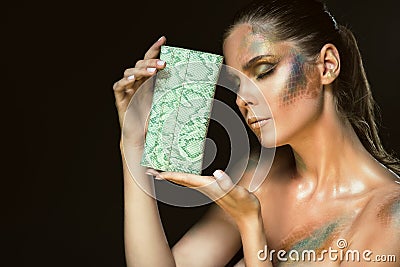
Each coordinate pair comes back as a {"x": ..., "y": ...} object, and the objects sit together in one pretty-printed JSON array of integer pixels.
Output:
[{"x": 280, "y": 89}]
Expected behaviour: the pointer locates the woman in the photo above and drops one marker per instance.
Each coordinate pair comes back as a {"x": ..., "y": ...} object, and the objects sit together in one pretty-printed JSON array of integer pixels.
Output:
[{"x": 331, "y": 179}]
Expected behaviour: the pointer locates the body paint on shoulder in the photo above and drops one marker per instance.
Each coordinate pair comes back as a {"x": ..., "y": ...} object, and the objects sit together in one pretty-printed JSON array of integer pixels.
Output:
[
  {"x": 396, "y": 213},
  {"x": 304, "y": 240},
  {"x": 316, "y": 240},
  {"x": 389, "y": 211}
]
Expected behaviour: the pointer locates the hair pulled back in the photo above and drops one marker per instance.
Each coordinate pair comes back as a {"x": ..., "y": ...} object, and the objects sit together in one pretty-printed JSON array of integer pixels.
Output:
[{"x": 310, "y": 26}]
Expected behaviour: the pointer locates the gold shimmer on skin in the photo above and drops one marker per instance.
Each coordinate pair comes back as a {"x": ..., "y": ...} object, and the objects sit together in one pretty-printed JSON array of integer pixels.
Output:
[
  {"x": 300, "y": 85},
  {"x": 259, "y": 60},
  {"x": 256, "y": 44}
]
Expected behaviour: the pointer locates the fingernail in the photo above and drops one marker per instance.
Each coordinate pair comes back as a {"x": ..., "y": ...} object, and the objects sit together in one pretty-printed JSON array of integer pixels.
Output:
[
  {"x": 160, "y": 62},
  {"x": 160, "y": 38},
  {"x": 158, "y": 177},
  {"x": 132, "y": 77},
  {"x": 218, "y": 174},
  {"x": 152, "y": 172},
  {"x": 151, "y": 70}
]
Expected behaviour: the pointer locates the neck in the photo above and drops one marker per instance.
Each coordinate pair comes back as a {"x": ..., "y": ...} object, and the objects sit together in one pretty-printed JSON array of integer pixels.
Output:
[{"x": 330, "y": 158}]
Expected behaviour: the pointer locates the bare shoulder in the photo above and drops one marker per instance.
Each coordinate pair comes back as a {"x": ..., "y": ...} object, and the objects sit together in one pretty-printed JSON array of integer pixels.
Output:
[
  {"x": 377, "y": 227},
  {"x": 384, "y": 207}
]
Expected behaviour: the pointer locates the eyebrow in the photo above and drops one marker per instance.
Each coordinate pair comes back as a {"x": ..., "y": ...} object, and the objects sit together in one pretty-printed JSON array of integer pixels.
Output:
[{"x": 252, "y": 61}]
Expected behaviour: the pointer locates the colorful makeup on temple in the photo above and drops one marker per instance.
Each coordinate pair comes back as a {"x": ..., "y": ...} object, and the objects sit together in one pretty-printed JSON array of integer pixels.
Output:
[
  {"x": 256, "y": 45},
  {"x": 298, "y": 85},
  {"x": 263, "y": 54}
]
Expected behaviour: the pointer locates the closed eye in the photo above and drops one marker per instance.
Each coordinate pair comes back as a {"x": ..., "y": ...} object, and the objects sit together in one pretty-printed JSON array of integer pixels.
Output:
[{"x": 265, "y": 73}]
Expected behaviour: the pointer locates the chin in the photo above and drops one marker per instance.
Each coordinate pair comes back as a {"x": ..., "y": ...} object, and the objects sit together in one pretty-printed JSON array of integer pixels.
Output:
[{"x": 268, "y": 140}]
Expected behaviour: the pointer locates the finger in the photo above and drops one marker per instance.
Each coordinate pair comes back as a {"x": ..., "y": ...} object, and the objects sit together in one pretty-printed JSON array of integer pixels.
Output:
[
  {"x": 150, "y": 63},
  {"x": 125, "y": 85},
  {"x": 223, "y": 180},
  {"x": 154, "y": 50},
  {"x": 152, "y": 172},
  {"x": 122, "y": 84},
  {"x": 187, "y": 179},
  {"x": 139, "y": 73},
  {"x": 134, "y": 75}
]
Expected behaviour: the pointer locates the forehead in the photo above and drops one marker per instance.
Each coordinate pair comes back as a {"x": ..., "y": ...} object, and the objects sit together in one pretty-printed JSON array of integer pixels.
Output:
[{"x": 243, "y": 44}]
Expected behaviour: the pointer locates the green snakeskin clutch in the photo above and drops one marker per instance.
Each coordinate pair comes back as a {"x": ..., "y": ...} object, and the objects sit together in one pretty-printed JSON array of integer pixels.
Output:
[{"x": 180, "y": 112}]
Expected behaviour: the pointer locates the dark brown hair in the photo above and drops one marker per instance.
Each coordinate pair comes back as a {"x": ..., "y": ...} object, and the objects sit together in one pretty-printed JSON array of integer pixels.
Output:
[{"x": 310, "y": 26}]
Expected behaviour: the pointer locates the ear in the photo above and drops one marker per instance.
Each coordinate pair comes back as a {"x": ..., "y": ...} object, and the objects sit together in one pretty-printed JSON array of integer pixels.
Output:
[{"x": 330, "y": 64}]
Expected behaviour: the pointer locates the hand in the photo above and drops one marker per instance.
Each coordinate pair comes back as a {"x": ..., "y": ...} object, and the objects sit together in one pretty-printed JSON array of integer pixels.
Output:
[
  {"x": 236, "y": 200},
  {"x": 125, "y": 88}
]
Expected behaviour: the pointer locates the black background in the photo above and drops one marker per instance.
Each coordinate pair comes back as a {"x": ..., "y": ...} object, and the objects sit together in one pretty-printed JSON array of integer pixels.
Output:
[{"x": 63, "y": 201}]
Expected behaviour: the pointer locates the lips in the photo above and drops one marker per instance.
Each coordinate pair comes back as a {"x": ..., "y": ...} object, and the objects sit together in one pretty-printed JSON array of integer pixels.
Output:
[{"x": 257, "y": 123}]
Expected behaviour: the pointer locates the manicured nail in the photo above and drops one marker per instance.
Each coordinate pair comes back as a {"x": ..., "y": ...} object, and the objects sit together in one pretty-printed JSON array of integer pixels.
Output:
[
  {"x": 160, "y": 62},
  {"x": 132, "y": 77},
  {"x": 218, "y": 174},
  {"x": 152, "y": 172},
  {"x": 158, "y": 177},
  {"x": 151, "y": 70}
]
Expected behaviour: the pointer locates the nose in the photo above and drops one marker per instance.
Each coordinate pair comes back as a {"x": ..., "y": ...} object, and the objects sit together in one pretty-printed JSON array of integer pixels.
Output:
[
  {"x": 242, "y": 102},
  {"x": 247, "y": 94}
]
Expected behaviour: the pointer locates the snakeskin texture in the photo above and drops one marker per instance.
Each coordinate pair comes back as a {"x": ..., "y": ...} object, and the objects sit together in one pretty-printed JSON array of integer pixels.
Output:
[{"x": 180, "y": 112}]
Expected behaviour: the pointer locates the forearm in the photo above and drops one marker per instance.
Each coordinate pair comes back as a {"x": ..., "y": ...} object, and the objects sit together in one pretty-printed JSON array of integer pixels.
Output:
[
  {"x": 145, "y": 241},
  {"x": 253, "y": 240}
]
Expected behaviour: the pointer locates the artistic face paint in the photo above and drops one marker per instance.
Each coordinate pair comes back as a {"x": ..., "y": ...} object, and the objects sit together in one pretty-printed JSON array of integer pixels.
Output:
[
  {"x": 299, "y": 85},
  {"x": 259, "y": 44},
  {"x": 255, "y": 44},
  {"x": 283, "y": 86}
]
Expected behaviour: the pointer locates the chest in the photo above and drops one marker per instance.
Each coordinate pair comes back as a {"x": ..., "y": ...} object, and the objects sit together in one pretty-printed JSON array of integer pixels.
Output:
[{"x": 298, "y": 225}]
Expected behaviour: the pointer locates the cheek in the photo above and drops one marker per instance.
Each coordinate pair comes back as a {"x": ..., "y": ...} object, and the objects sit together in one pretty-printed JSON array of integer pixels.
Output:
[{"x": 301, "y": 83}]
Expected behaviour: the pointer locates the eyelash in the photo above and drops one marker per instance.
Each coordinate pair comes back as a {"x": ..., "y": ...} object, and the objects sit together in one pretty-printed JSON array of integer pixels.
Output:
[{"x": 265, "y": 74}]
